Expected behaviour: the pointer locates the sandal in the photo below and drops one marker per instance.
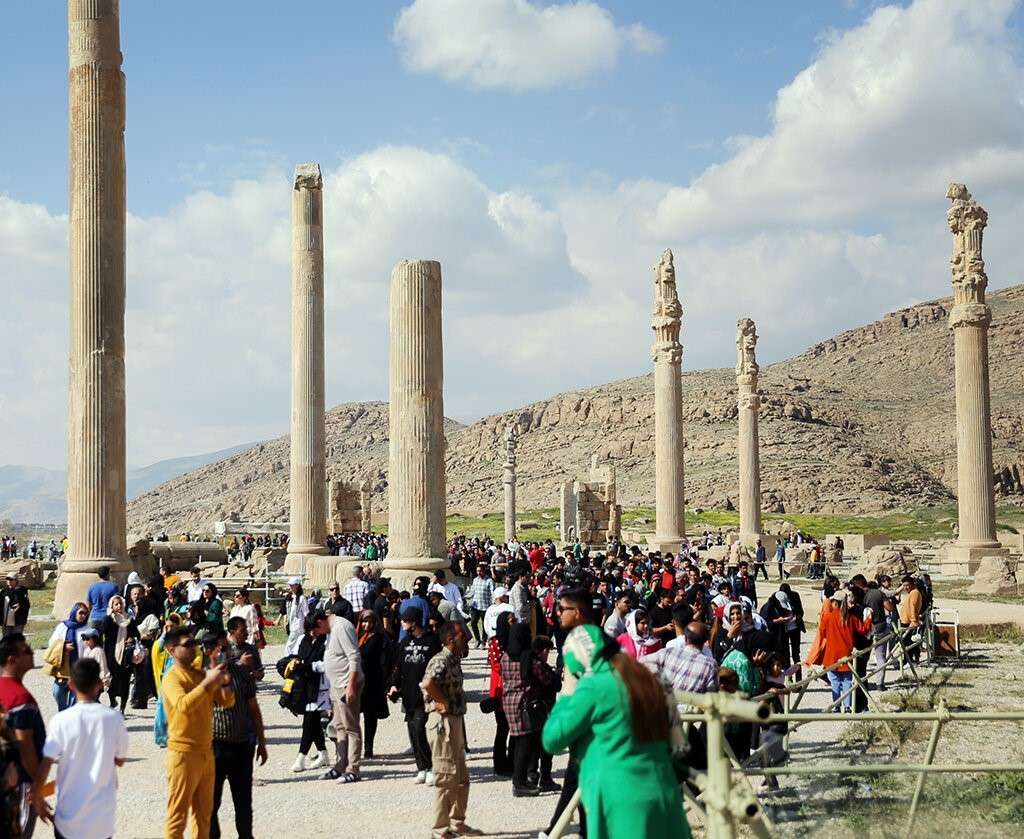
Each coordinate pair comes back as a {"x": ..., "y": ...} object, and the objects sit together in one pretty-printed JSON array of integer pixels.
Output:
[
  {"x": 347, "y": 778},
  {"x": 331, "y": 775}
]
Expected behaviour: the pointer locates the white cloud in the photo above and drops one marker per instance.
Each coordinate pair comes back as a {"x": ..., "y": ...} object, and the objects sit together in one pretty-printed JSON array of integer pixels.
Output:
[
  {"x": 837, "y": 214},
  {"x": 514, "y": 44},
  {"x": 885, "y": 116},
  {"x": 833, "y": 217},
  {"x": 208, "y": 309}
]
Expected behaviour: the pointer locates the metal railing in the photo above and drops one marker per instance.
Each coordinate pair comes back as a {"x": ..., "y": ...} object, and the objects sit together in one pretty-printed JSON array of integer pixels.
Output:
[{"x": 725, "y": 798}]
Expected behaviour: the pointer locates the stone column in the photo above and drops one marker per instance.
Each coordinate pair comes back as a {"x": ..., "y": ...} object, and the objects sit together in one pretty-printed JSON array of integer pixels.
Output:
[
  {"x": 509, "y": 481},
  {"x": 96, "y": 418},
  {"x": 365, "y": 511},
  {"x": 416, "y": 481},
  {"x": 969, "y": 321},
  {"x": 308, "y": 536},
  {"x": 747, "y": 448},
  {"x": 670, "y": 524}
]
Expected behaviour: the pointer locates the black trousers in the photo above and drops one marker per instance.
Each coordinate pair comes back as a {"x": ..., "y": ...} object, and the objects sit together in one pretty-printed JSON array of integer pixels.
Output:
[
  {"x": 476, "y": 623},
  {"x": 416, "y": 724},
  {"x": 860, "y": 698},
  {"x": 370, "y": 720},
  {"x": 312, "y": 732},
  {"x": 794, "y": 649},
  {"x": 570, "y": 784},
  {"x": 233, "y": 762},
  {"x": 524, "y": 757},
  {"x": 500, "y": 754}
]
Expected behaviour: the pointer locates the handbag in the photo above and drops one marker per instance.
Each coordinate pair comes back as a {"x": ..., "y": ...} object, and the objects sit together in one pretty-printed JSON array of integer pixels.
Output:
[
  {"x": 533, "y": 714},
  {"x": 53, "y": 661}
]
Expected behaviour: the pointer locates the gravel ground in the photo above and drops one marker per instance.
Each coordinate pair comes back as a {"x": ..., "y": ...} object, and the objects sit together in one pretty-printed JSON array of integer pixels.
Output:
[{"x": 386, "y": 803}]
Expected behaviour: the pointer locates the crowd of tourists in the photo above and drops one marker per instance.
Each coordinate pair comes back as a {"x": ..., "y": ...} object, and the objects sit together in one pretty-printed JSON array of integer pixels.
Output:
[
  {"x": 582, "y": 654},
  {"x": 32, "y": 549}
]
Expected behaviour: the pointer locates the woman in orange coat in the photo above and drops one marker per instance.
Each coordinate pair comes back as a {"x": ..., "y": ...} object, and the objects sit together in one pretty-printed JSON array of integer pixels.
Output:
[{"x": 835, "y": 641}]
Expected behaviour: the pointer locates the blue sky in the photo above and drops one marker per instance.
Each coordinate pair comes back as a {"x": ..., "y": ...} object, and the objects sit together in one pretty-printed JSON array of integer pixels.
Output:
[
  {"x": 214, "y": 95},
  {"x": 795, "y": 156}
]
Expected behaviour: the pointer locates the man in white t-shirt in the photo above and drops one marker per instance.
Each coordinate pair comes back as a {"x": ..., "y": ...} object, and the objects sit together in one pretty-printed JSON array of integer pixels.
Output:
[{"x": 87, "y": 742}]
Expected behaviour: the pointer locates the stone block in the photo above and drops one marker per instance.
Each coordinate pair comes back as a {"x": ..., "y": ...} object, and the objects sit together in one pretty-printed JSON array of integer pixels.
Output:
[
  {"x": 894, "y": 560},
  {"x": 858, "y": 544},
  {"x": 30, "y": 572},
  {"x": 995, "y": 576}
]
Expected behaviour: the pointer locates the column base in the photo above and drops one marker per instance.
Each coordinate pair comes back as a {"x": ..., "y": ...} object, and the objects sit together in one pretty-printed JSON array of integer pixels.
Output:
[
  {"x": 319, "y": 571},
  {"x": 76, "y": 576},
  {"x": 963, "y": 560},
  {"x": 403, "y": 571},
  {"x": 295, "y": 562},
  {"x": 665, "y": 544}
]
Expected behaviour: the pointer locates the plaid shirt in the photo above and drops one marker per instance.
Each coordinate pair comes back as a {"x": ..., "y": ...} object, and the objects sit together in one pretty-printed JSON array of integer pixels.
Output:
[
  {"x": 481, "y": 593},
  {"x": 355, "y": 592},
  {"x": 686, "y": 669}
]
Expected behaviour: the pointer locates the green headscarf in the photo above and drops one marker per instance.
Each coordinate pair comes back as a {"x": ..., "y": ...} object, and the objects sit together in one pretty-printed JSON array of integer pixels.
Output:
[{"x": 582, "y": 652}]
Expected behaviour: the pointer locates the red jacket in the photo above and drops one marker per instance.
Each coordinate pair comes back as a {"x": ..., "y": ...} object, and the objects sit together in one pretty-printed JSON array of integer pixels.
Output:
[{"x": 836, "y": 636}]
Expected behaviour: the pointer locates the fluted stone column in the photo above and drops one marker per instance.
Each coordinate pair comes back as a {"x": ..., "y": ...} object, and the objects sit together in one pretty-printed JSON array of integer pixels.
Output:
[
  {"x": 365, "y": 511},
  {"x": 749, "y": 457},
  {"x": 308, "y": 536},
  {"x": 509, "y": 481},
  {"x": 96, "y": 410},
  {"x": 416, "y": 482},
  {"x": 670, "y": 525},
  {"x": 969, "y": 321}
]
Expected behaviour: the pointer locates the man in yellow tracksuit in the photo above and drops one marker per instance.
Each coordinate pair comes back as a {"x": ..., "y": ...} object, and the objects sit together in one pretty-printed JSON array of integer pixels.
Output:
[{"x": 189, "y": 695}]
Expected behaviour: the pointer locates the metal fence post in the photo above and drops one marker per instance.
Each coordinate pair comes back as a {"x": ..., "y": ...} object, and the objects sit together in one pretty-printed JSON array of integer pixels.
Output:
[
  {"x": 719, "y": 790},
  {"x": 933, "y": 742}
]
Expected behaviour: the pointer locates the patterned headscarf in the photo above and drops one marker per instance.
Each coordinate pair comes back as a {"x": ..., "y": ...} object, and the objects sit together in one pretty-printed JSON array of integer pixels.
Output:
[{"x": 583, "y": 651}]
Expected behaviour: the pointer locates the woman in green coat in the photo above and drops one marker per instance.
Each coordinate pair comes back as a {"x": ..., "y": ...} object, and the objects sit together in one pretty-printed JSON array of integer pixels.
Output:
[{"x": 616, "y": 726}]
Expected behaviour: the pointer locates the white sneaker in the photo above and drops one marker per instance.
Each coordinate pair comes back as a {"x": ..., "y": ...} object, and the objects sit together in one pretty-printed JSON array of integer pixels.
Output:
[
  {"x": 319, "y": 762},
  {"x": 429, "y": 779},
  {"x": 421, "y": 777},
  {"x": 300, "y": 763}
]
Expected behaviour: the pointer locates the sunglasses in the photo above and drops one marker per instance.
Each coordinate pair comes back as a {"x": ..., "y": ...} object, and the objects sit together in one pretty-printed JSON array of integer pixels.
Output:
[{"x": 191, "y": 642}]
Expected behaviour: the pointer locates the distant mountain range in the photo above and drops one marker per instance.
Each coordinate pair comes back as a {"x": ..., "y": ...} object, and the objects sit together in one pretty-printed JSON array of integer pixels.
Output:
[
  {"x": 859, "y": 423},
  {"x": 34, "y": 495}
]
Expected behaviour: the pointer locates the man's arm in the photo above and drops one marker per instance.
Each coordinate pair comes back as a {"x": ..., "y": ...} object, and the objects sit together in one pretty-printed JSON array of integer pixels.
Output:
[
  {"x": 27, "y": 750},
  {"x": 434, "y": 692},
  {"x": 257, "y": 719},
  {"x": 39, "y": 804}
]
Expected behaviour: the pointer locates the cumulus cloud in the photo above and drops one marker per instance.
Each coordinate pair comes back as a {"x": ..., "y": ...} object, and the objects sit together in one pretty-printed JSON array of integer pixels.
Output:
[
  {"x": 833, "y": 217},
  {"x": 838, "y": 213},
  {"x": 208, "y": 309},
  {"x": 886, "y": 114},
  {"x": 514, "y": 44}
]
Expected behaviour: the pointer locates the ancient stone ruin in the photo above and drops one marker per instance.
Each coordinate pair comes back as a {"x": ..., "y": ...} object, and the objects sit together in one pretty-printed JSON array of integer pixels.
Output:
[
  {"x": 589, "y": 511},
  {"x": 667, "y": 352},
  {"x": 969, "y": 320},
  {"x": 308, "y": 516},
  {"x": 349, "y": 506}
]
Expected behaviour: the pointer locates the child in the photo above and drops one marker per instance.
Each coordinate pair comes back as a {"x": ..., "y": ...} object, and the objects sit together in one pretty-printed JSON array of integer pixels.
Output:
[{"x": 94, "y": 651}]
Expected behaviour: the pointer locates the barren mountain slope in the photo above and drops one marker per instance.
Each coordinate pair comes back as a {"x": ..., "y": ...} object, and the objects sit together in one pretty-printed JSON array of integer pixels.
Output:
[{"x": 859, "y": 423}]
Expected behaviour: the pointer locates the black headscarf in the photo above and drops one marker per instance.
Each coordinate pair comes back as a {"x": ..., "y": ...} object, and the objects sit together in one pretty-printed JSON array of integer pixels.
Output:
[
  {"x": 519, "y": 644},
  {"x": 502, "y": 632}
]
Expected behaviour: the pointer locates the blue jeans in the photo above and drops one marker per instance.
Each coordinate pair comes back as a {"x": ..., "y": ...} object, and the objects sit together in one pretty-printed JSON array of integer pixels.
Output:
[
  {"x": 841, "y": 683},
  {"x": 62, "y": 694}
]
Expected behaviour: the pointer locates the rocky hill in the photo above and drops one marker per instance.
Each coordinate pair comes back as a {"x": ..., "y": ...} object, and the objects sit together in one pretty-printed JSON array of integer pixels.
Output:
[{"x": 859, "y": 423}]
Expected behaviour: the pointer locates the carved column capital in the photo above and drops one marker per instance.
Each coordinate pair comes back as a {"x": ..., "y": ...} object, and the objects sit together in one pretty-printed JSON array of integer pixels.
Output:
[
  {"x": 970, "y": 314},
  {"x": 749, "y": 402},
  {"x": 670, "y": 352}
]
